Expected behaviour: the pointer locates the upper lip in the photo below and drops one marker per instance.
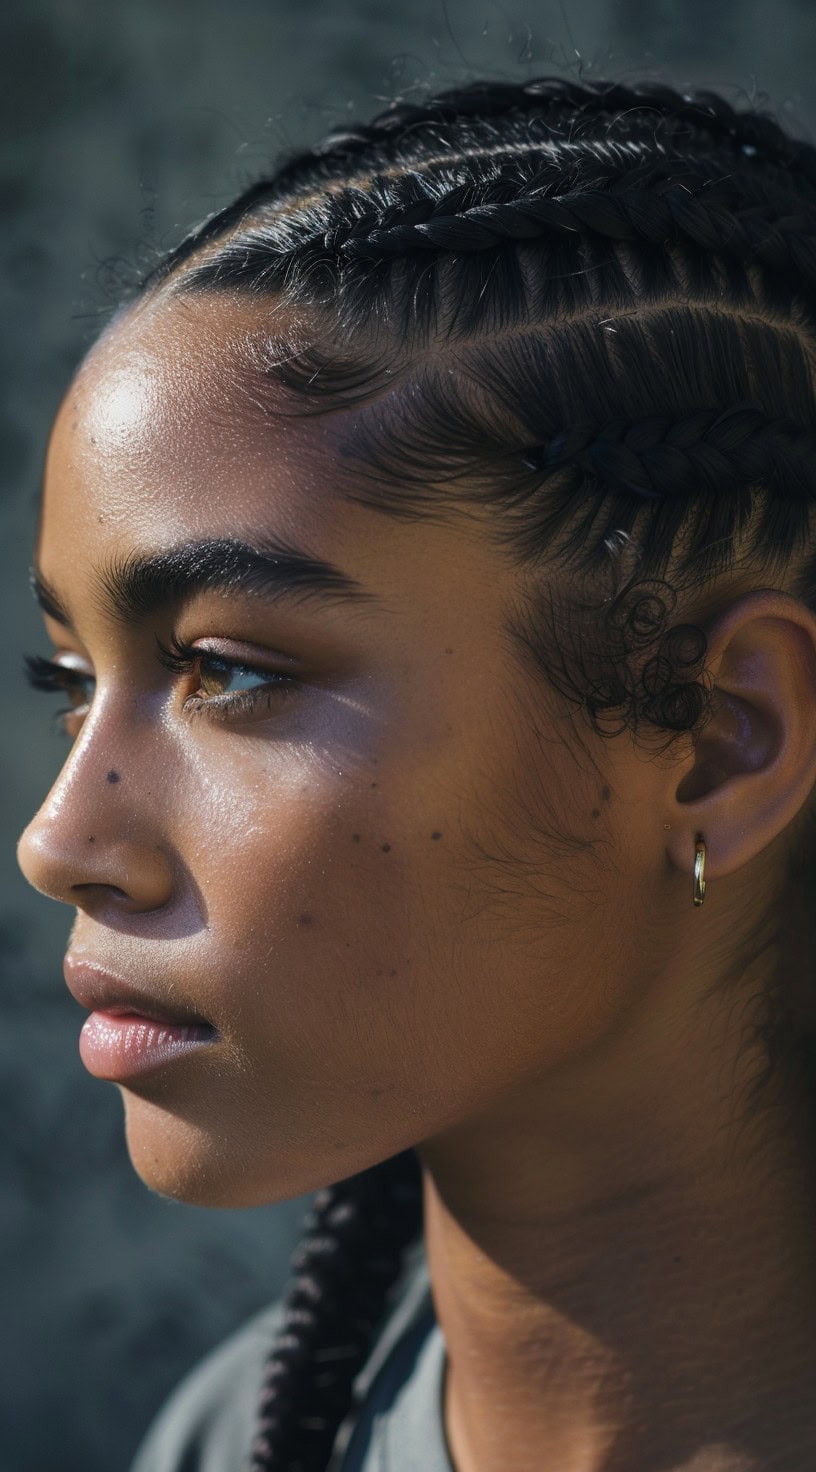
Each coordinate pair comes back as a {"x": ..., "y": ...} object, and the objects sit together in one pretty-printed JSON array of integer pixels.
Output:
[{"x": 100, "y": 990}]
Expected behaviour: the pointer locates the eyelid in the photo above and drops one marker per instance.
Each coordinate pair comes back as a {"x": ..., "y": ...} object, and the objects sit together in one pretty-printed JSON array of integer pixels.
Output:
[
  {"x": 81, "y": 665},
  {"x": 212, "y": 650},
  {"x": 47, "y": 673},
  {"x": 180, "y": 656}
]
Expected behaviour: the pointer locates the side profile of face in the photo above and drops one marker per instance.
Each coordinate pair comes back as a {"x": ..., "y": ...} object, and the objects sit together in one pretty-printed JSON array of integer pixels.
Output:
[{"x": 386, "y": 880}]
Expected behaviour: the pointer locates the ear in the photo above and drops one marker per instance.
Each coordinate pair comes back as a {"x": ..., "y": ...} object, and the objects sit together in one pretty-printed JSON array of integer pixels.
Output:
[{"x": 754, "y": 762}]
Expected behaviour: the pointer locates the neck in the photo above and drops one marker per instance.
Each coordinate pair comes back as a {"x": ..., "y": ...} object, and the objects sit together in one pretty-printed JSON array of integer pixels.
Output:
[{"x": 641, "y": 1299}]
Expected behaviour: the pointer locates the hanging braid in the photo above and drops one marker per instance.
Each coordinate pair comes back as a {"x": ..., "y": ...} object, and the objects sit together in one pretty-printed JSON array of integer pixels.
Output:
[
  {"x": 349, "y": 1257},
  {"x": 588, "y": 310}
]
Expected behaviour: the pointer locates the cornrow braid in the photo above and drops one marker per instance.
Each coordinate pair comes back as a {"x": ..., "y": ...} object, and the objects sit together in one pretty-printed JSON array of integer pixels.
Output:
[
  {"x": 355, "y": 1235},
  {"x": 712, "y": 216},
  {"x": 714, "y": 449},
  {"x": 750, "y": 131}
]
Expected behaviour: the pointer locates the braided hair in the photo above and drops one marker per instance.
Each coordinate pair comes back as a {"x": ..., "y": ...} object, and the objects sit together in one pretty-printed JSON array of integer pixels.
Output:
[{"x": 584, "y": 312}]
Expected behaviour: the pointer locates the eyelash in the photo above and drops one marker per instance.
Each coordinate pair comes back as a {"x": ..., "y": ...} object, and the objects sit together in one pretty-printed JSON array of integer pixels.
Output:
[{"x": 182, "y": 659}]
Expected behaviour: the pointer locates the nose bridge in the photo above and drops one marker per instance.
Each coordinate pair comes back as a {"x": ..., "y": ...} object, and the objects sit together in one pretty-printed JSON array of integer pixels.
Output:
[{"x": 98, "y": 827}]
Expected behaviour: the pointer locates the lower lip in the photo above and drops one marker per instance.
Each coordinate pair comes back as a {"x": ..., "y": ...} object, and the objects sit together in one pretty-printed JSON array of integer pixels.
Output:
[{"x": 117, "y": 1047}]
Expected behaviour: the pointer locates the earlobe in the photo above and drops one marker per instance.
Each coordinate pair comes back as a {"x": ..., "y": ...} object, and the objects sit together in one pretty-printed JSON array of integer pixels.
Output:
[{"x": 753, "y": 767}]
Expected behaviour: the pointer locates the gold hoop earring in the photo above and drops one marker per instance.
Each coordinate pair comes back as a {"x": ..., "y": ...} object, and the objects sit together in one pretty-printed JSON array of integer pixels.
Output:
[{"x": 699, "y": 870}]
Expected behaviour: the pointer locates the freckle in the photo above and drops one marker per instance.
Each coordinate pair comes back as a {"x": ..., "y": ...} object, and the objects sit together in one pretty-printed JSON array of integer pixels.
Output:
[
  {"x": 100, "y": 518},
  {"x": 393, "y": 972},
  {"x": 305, "y": 919},
  {"x": 373, "y": 784},
  {"x": 90, "y": 840},
  {"x": 436, "y": 835},
  {"x": 606, "y": 793},
  {"x": 113, "y": 776},
  {"x": 596, "y": 812},
  {"x": 379, "y": 971},
  {"x": 386, "y": 848},
  {"x": 449, "y": 651},
  {"x": 355, "y": 838}
]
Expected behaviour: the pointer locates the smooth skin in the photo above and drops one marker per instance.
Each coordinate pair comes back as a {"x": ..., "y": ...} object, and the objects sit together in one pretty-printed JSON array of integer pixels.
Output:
[{"x": 425, "y": 906}]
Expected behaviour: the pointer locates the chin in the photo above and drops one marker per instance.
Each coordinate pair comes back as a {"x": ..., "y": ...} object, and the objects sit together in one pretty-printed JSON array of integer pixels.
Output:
[{"x": 184, "y": 1162}]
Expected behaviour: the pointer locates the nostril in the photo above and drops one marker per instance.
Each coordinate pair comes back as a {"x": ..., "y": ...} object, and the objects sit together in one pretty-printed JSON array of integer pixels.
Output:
[{"x": 89, "y": 890}]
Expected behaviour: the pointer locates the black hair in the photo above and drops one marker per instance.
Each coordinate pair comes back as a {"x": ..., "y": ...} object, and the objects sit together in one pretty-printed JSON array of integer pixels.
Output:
[{"x": 584, "y": 313}]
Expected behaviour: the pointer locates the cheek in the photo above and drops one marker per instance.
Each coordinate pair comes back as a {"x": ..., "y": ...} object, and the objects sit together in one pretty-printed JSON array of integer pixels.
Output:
[
  {"x": 311, "y": 882},
  {"x": 360, "y": 928},
  {"x": 344, "y": 959},
  {"x": 328, "y": 921}
]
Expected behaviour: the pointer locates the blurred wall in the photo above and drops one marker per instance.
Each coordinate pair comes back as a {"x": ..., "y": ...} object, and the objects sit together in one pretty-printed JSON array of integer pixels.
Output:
[{"x": 123, "y": 125}]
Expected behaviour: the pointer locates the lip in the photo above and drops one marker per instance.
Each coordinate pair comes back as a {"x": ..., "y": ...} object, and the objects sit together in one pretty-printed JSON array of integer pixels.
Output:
[
  {"x": 100, "y": 990},
  {"x": 118, "y": 1047}
]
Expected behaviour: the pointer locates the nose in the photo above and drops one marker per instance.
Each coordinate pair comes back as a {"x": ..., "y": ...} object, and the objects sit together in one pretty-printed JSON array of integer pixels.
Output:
[{"x": 91, "y": 847}]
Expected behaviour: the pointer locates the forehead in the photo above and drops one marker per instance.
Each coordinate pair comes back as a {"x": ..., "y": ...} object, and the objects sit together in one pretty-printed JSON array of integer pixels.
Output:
[
  {"x": 171, "y": 433},
  {"x": 170, "y": 429}
]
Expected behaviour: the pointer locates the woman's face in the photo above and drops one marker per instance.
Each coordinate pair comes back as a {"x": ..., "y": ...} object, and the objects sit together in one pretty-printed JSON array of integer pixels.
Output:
[{"x": 377, "y": 882}]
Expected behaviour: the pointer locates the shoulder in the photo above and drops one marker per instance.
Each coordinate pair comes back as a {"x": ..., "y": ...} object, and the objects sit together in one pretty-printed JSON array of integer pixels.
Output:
[{"x": 211, "y": 1413}]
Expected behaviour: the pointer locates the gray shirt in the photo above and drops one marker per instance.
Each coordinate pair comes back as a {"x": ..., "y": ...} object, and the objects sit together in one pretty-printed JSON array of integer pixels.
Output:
[{"x": 396, "y": 1424}]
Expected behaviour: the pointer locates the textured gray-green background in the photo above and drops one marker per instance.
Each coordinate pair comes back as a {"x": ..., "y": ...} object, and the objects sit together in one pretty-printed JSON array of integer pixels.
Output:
[{"x": 123, "y": 124}]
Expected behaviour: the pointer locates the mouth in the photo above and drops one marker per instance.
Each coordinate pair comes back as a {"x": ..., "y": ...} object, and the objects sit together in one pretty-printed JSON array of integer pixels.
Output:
[
  {"x": 101, "y": 991},
  {"x": 130, "y": 1031}
]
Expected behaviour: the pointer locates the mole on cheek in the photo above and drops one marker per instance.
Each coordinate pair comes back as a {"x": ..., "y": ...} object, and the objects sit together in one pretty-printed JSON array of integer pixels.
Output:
[
  {"x": 606, "y": 794},
  {"x": 305, "y": 919},
  {"x": 91, "y": 839},
  {"x": 386, "y": 848},
  {"x": 436, "y": 835},
  {"x": 113, "y": 776}
]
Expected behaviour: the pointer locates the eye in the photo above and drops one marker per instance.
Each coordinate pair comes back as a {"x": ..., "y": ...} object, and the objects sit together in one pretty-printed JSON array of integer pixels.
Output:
[
  {"x": 76, "y": 684},
  {"x": 226, "y": 688}
]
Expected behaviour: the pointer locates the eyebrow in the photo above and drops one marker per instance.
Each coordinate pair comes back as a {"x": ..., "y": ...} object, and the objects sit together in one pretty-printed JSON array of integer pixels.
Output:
[{"x": 132, "y": 588}]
